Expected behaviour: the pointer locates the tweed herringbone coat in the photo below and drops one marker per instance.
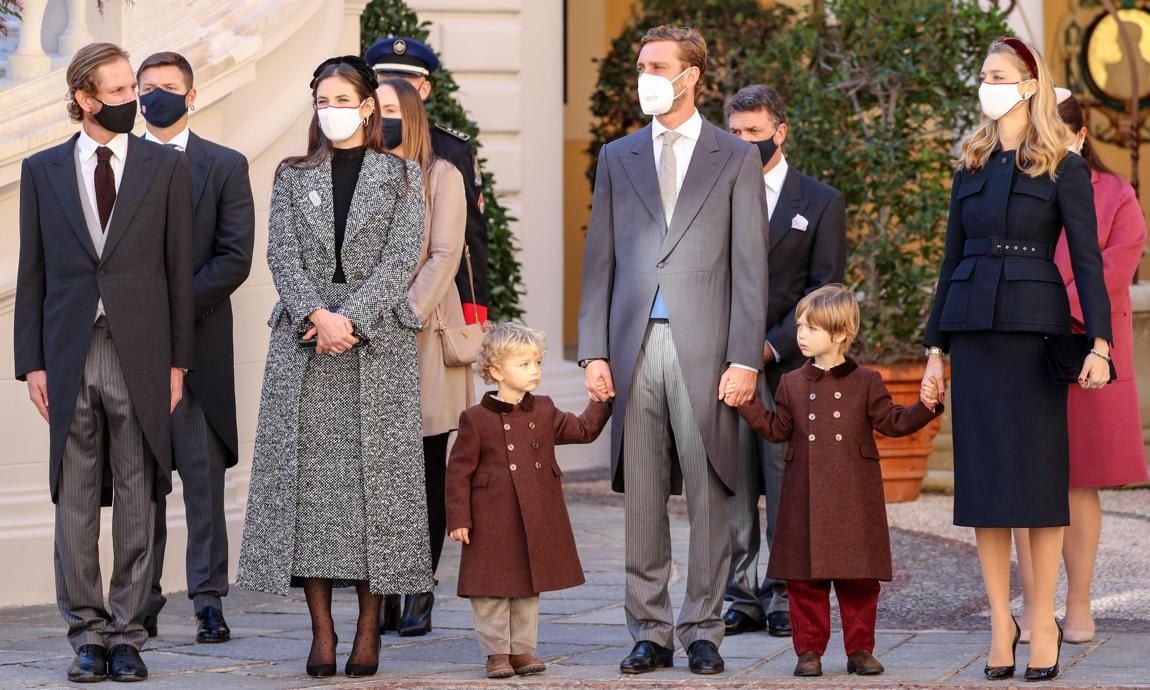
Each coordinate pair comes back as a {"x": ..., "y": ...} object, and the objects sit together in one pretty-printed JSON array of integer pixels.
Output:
[{"x": 382, "y": 242}]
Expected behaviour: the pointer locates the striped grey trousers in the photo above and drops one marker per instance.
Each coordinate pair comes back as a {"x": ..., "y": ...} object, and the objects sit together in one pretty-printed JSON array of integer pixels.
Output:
[
  {"x": 104, "y": 427},
  {"x": 660, "y": 429}
]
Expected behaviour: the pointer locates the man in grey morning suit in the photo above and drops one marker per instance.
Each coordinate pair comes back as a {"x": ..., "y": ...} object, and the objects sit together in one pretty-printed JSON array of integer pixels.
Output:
[
  {"x": 103, "y": 335},
  {"x": 671, "y": 322},
  {"x": 807, "y": 244},
  {"x": 204, "y": 438}
]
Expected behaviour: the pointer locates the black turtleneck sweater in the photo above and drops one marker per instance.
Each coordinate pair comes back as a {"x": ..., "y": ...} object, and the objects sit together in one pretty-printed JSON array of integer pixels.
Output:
[{"x": 345, "y": 165}]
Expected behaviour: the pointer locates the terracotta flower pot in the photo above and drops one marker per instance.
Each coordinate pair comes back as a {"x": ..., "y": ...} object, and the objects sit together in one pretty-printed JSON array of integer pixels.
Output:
[{"x": 904, "y": 459}]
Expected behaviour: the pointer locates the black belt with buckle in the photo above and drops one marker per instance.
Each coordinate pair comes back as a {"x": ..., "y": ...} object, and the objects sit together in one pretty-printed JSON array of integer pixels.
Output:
[{"x": 1002, "y": 246}]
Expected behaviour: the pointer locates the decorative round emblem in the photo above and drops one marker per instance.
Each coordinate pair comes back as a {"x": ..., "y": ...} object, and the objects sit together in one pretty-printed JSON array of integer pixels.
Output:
[
  {"x": 400, "y": 46},
  {"x": 1105, "y": 64}
]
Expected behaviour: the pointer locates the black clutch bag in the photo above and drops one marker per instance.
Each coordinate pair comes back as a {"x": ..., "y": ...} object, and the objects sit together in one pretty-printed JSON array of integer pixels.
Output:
[{"x": 1065, "y": 355}]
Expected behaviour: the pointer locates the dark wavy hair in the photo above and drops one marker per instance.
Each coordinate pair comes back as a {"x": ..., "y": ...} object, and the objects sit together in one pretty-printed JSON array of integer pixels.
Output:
[
  {"x": 1070, "y": 111},
  {"x": 319, "y": 147}
]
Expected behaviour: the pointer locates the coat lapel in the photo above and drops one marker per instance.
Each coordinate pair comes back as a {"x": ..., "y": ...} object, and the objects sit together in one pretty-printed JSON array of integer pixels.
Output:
[
  {"x": 318, "y": 207},
  {"x": 789, "y": 204},
  {"x": 139, "y": 171},
  {"x": 706, "y": 161},
  {"x": 367, "y": 197},
  {"x": 201, "y": 164},
  {"x": 640, "y": 167},
  {"x": 68, "y": 194}
]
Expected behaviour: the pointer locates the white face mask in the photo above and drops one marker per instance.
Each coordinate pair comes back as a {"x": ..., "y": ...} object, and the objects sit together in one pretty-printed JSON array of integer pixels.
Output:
[
  {"x": 1076, "y": 147},
  {"x": 657, "y": 94},
  {"x": 339, "y": 124},
  {"x": 997, "y": 100}
]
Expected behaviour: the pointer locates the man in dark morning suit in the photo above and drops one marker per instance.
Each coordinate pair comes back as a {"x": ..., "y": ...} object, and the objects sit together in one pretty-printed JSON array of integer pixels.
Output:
[
  {"x": 415, "y": 61},
  {"x": 671, "y": 324},
  {"x": 204, "y": 438},
  {"x": 807, "y": 248},
  {"x": 103, "y": 337}
]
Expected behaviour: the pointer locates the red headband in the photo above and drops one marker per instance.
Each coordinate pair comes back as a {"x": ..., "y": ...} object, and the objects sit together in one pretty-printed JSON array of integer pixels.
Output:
[{"x": 1023, "y": 52}]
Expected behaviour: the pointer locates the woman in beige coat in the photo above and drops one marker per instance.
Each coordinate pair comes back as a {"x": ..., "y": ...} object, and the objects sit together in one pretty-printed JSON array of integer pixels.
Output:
[{"x": 445, "y": 391}]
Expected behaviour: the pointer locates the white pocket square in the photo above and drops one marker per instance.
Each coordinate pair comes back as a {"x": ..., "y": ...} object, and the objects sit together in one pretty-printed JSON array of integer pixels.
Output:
[
  {"x": 799, "y": 222},
  {"x": 314, "y": 197}
]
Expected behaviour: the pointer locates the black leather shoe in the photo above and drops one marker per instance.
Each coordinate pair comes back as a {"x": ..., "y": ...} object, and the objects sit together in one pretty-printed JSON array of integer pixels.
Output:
[
  {"x": 90, "y": 664},
  {"x": 779, "y": 624},
  {"x": 150, "y": 623},
  {"x": 703, "y": 658},
  {"x": 211, "y": 626},
  {"x": 646, "y": 656},
  {"x": 737, "y": 623},
  {"x": 125, "y": 664},
  {"x": 864, "y": 664},
  {"x": 357, "y": 669},
  {"x": 810, "y": 665},
  {"x": 416, "y": 620},
  {"x": 389, "y": 614},
  {"x": 325, "y": 669},
  {"x": 1036, "y": 673},
  {"x": 1004, "y": 672}
]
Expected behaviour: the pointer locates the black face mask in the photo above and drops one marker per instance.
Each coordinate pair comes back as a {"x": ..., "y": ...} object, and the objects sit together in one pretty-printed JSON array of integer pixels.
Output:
[
  {"x": 163, "y": 108},
  {"x": 392, "y": 132},
  {"x": 117, "y": 118},
  {"x": 767, "y": 148}
]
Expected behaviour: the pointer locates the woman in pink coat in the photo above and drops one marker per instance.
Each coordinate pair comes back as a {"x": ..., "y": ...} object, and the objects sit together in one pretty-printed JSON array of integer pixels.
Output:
[{"x": 1104, "y": 426}]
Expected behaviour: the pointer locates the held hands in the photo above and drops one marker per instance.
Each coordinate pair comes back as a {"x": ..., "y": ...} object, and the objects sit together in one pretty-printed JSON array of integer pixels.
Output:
[
  {"x": 38, "y": 391},
  {"x": 461, "y": 534},
  {"x": 933, "y": 388},
  {"x": 177, "y": 388},
  {"x": 1096, "y": 369},
  {"x": 333, "y": 330},
  {"x": 737, "y": 386},
  {"x": 598, "y": 382}
]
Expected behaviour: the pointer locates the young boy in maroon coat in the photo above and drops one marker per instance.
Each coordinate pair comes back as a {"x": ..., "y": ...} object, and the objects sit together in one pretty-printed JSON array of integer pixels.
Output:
[
  {"x": 832, "y": 518},
  {"x": 505, "y": 499}
]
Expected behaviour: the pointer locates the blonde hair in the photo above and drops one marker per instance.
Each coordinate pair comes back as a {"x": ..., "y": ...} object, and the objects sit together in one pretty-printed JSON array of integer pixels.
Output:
[
  {"x": 504, "y": 340},
  {"x": 81, "y": 73},
  {"x": 1043, "y": 145},
  {"x": 834, "y": 309}
]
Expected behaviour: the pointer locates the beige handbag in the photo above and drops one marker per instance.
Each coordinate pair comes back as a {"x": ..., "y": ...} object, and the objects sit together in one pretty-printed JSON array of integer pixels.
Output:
[{"x": 460, "y": 343}]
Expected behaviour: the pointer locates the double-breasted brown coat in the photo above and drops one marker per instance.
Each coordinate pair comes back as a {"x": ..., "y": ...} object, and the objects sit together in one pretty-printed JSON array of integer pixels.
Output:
[
  {"x": 504, "y": 485},
  {"x": 832, "y": 516}
]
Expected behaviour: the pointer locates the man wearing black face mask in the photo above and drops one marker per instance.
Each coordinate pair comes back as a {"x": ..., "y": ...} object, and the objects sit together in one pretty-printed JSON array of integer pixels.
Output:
[
  {"x": 103, "y": 337},
  {"x": 204, "y": 438},
  {"x": 806, "y": 236}
]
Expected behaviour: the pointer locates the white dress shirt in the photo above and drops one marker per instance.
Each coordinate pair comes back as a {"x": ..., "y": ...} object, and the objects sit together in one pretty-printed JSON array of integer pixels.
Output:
[
  {"x": 180, "y": 141},
  {"x": 683, "y": 147},
  {"x": 774, "y": 182}
]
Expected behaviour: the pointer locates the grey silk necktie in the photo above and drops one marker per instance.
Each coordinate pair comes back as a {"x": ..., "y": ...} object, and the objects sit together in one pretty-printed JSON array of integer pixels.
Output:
[{"x": 668, "y": 174}]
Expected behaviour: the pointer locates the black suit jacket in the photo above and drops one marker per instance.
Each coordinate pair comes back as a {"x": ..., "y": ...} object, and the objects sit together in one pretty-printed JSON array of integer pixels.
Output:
[
  {"x": 222, "y": 237},
  {"x": 800, "y": 261},
  {"x": 449, "y": 145},
  {"x": 998, "y": 271},
  {"x": 144, "y": 277}
]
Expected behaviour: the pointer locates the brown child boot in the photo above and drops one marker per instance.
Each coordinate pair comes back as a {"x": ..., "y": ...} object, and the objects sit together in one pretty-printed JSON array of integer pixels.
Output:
[
  {"x": 527, "y": 664},
  {"x": 498, "y": 666}
]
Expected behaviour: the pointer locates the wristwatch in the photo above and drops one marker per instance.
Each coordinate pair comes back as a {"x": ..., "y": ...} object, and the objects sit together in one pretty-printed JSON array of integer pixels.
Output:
[
  {"x": 584, "y": 362},
  {"x": 932, "y": 350}
]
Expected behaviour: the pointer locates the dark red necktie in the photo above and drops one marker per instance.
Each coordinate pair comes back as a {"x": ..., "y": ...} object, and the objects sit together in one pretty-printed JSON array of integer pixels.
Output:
[{"x": 105, "y": 186}]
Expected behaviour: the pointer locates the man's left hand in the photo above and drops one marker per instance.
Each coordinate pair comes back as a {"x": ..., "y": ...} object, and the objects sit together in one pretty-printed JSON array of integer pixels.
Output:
[
  {"x": 177, "y": 387},
  {"x": 737, "y": 386}
]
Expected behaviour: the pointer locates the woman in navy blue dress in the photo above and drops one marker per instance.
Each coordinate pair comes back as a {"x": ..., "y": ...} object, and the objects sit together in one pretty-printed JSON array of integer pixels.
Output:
[{"x": 999, "y": 295}]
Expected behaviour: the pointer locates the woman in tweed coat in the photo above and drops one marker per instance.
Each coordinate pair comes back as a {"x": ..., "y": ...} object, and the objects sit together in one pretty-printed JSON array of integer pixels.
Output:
[{"x": 337, "y": 492}]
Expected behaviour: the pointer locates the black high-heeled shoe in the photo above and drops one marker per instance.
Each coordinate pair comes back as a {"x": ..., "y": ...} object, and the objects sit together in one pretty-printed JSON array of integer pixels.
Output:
[
  {"x": 1004, "y": 672},
  {"x": 389, "y": 614},
  {"x": 1046, "y": 672},
  {"x": 416, "y": 620},
  {"x": 354, "y": 669},
  {"x": 324, "y": 670}
]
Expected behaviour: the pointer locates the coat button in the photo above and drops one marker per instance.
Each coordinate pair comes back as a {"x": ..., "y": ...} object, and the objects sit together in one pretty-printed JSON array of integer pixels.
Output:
[
  {"x": 1003, "y": 160},
  {"x": 507, "y": 427},
  {"x": 530, "y": 425},
  {"x": 811, "y": 416},
  {"x": 838, "y": 395},
  {"x": 535, "y": 445},
  {"x": 513, "y": 467},
  {"x": 838, "y": 437},
  {"x": 538, "y": 465},
  {"x": 812, "y": 396},
  {"x": 661, "y": 264},
  {"x": 837, "y": 414},
  {"x": 811, "y": 437},
  {"x": 100, "y": 272},
  {"x": 357, "y": 276},
  {"x": 510, "y": 446}
]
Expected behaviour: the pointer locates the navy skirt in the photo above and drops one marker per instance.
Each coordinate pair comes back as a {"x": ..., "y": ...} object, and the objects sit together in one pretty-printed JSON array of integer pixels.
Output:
[{"x": 1011, "y": 454}]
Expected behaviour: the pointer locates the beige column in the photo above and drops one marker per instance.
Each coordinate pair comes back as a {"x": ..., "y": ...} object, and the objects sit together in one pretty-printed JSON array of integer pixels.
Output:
[
  {"x": 30, "y": 61},
  {"x": 76, "y": 34}
]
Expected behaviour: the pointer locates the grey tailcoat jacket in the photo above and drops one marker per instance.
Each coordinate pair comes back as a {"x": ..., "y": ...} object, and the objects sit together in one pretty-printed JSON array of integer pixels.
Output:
[
  {"x": 144, "y": 277},
  {"x": 711, "y": 264},
  {"x": 381, "y": 244}
]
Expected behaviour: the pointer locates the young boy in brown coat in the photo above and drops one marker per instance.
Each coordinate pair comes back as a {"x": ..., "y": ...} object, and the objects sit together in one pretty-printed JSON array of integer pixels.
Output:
[
  {"x": 505, "y": 499},
  {"x": 832, "y": 518}
]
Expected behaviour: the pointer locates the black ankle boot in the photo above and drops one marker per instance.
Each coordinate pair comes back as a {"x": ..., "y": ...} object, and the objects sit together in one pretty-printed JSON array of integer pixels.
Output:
[
  {"x": 416, "y": 619},
  {"x": 389, "y": 614}
]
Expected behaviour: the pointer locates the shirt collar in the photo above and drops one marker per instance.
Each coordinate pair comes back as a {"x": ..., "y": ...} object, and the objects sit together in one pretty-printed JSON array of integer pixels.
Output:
[
  {"x": 180, "y": 139},
  {"x": 87, "y": 146},
  {"x": 778, "y": 174},
  {"x": 690, "y": 129}
]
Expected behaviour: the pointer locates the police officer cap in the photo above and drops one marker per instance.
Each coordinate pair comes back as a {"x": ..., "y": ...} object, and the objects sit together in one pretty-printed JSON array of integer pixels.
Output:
[{"x": 399, "y": 55}]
